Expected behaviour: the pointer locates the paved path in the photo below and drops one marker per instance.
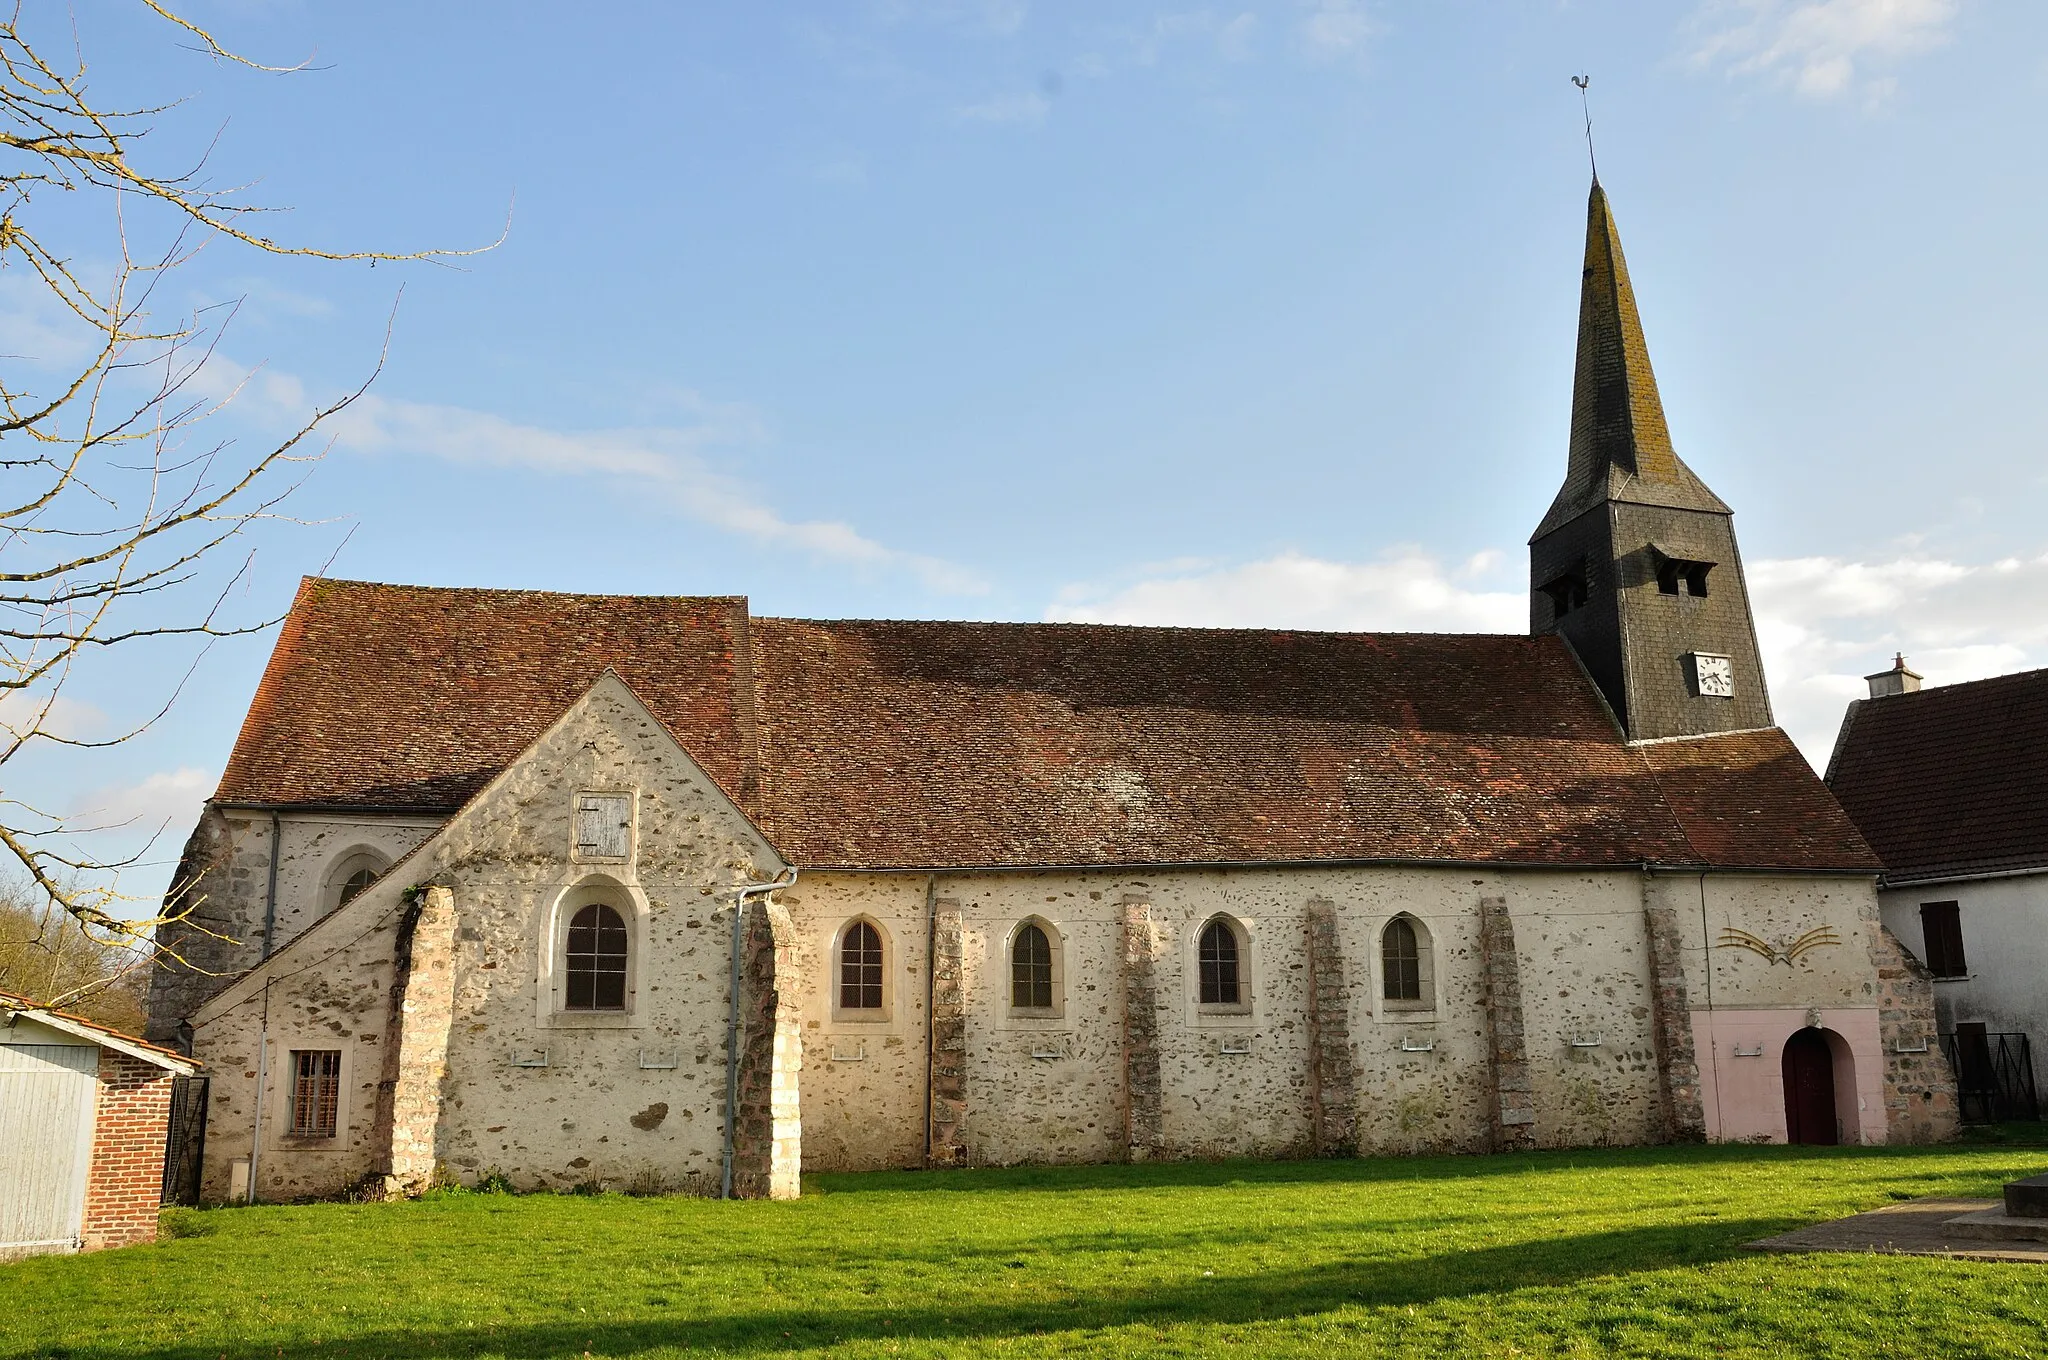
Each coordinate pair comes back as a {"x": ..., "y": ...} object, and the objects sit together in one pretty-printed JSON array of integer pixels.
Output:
[{"x": 1916, "y": 1228}]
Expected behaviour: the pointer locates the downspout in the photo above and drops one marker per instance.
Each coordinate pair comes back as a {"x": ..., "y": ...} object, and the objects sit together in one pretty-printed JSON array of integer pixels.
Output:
[
  {"x": 785, "y": 879},
  {"x": 931, "y": 985},
  {"x": 270, "y": 893},
  {"x": 262, "y": 1079}
]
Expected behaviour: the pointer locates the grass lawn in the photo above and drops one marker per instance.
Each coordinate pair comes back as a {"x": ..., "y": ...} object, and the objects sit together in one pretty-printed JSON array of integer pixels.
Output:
[{"x": 1631, "y": 1252}]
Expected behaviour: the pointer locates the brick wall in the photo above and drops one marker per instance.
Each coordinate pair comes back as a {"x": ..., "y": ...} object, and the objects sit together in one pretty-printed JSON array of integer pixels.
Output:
[{"x": 126, "y": 1183}]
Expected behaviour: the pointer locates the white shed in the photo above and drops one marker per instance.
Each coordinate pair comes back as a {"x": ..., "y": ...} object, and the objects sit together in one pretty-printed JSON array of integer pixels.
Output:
[{"x": 83, "y": 1115}]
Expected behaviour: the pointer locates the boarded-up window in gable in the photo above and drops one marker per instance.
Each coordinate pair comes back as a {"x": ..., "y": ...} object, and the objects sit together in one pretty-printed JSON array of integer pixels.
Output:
[{"x": 604, "y": 825}]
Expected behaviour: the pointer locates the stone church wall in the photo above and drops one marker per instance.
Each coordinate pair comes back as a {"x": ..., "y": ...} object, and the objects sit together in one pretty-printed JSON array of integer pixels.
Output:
[
  {"x": 1062, "y": 1088},
  {"x": 227, "y": 860},
  {"x": 553, "y": 1098}
]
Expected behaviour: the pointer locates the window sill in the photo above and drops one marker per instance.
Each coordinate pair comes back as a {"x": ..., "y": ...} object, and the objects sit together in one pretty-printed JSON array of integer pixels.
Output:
[
  {"x": 1040, "y": 1013},
  {"x": 1393, "y": 1007},
  {"x": 594, "y": 1020},
  {"x": 1216, "y": 1008},
  {"x": 861, "y": 1019},
  {"x": 1955, "y": 977}
]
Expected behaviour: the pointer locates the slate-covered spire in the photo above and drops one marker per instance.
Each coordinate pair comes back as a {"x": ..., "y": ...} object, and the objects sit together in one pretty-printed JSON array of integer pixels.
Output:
[{"x": 1620, "y": 446}]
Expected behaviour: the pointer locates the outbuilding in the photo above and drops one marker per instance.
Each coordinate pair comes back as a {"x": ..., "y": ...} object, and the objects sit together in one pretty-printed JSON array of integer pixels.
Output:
[{"x": 84, "y": 1115}]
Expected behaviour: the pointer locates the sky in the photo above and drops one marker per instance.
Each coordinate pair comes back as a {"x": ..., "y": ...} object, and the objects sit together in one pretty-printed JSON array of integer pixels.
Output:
[{"x": 1253, "y": 314}]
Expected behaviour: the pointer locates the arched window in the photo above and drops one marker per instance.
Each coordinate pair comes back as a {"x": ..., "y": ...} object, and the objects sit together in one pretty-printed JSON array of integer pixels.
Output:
[
  {"x": 356, "y": 882},
  {"x": 349, "y": 874},
  {"x": 1031, "y": 969},
  {"x": 596, "y": 974},
  {"x": 1222, "y": 983},
  {"x": 1401, "y": 962},
  {"x": 860, "y": 968}
]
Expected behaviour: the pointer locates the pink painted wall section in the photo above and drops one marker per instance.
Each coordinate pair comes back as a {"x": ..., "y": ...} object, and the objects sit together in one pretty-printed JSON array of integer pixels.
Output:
[{"x": 1744, "y": 1095}]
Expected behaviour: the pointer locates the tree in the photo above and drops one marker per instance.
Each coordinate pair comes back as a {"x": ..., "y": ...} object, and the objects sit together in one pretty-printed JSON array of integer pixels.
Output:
[{"x": 123, "y": 521}]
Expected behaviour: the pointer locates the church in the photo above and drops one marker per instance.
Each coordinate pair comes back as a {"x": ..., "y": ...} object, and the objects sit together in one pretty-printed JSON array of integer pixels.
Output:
[{"x": 655, "y": 894}]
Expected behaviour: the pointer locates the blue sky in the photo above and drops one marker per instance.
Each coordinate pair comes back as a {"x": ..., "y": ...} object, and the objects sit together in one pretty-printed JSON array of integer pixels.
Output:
[{"x": 1252, "y": 314}]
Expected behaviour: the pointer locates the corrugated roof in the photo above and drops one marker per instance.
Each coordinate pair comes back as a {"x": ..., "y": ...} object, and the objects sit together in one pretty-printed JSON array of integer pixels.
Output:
[
  {"x": 1948, "y": 781},
  {"x": 875, "y": 744},
  {"x": 168, "y": 1058}
]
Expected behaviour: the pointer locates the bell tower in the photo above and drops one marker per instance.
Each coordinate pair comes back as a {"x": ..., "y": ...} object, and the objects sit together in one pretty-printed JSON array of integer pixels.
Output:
[{"x": 1635, "y": 564}]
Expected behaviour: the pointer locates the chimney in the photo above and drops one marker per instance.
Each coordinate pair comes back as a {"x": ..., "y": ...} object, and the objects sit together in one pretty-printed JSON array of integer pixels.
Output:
[{"x": 1897, "y": 680}]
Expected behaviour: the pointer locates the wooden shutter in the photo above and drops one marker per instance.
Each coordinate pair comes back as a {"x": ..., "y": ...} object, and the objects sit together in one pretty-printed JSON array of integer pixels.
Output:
[
  {"x": 1942, "y": 926},
  {"x": 604, "y": 823}
]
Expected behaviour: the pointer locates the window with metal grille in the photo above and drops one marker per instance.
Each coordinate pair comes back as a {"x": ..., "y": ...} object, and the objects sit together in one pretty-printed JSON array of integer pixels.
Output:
[
  {"x": 1031, "y": 970},
  {"x": 1219, "y": 965},
  {"x": 860, "y": 968},
  {"x": 316, "y": 1092},
  {"x": 1941, "y": 923},
  {"x": 355, "y": 883},
  {"x": 1400, "y": 962},
  {"x": 597, "y": 960}
]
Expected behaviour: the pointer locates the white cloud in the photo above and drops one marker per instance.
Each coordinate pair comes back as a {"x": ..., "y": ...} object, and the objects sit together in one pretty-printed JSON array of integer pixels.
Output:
[
  {"x": 70, "y": 719},
  {"x": 1821, "y": 48},
  {"x": 1823, "y": 623},
  {"x": 1029, "y": 106},
  {"x": 1405, "y": 591},
  {"x": 1337, "y": 28},
  {"x": 666, "y": 461},
  {"x": 167, "y": 801}
]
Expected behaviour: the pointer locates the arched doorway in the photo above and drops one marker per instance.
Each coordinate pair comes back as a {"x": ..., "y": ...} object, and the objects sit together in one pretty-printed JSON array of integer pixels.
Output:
[{"x": 1810, "y": 1089}]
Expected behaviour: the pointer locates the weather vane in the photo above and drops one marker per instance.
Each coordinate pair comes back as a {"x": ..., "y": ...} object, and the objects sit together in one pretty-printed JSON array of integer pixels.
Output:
[{"x": 1586, "y": 109}]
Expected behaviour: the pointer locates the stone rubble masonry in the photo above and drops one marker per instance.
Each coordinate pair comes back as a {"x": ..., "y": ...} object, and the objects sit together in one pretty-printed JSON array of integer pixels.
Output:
[
  {"x": 1685, "y": 1116},
  {"x": 1919, "y": 1087},
  {"x": 219, "y": 876},
  {"x": 126, "y": 1180},
  {"x": 1514, "y": 1102},
  {"x": 767, "y": 1151},
  {"x": 1144, "y": 1118},
  {"x": 1331, "y": 1074},
  {"x": 948, "y": 1057},
  {"x": 416, "y": 1049}
]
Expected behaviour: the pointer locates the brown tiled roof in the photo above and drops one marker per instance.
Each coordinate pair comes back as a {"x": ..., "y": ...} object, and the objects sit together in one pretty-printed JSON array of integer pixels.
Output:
[
  {"x": 930, "y": 745},
  {"x": 411, "y": 697},
  {"x": 23, "y": 1005},
  {"x": 1949, "y": 780}
]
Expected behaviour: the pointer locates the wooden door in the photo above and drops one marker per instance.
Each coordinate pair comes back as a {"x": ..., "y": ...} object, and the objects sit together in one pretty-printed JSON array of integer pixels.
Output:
[
  {"x": 1810, "y": 1089},
  {"x": 48, "y": 1094}
]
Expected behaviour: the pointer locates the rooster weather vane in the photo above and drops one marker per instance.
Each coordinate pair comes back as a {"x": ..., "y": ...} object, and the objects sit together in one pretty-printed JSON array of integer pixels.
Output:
[{"x": 1731, "y": 938}]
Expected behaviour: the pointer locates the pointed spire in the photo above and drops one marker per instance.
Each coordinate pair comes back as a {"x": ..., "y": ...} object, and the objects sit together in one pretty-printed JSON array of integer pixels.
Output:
[{"x": 1620, "y": 445}]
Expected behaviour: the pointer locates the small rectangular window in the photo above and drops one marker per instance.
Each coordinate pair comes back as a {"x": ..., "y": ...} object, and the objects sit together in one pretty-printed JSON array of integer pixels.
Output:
[
  {"x": 316, "y": 1092},
  {"x": 1941, "y": 924}
]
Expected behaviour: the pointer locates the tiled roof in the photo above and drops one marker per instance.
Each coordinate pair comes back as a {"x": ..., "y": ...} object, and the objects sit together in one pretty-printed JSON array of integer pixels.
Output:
[
  {"x": 142, "y": 1048},
  {"x": 930, "y": 745},
  {"x": 1948, "y": 781}
]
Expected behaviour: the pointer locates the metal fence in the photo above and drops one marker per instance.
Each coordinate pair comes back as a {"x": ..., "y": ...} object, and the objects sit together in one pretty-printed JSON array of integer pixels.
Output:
[
  {"x": 185, "y": 1147},
  {"x": 1994, "y": 1075}
]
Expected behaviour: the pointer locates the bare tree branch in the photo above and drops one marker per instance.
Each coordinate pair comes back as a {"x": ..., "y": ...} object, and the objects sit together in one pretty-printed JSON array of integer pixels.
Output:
[{"x": 123, "y": 523}]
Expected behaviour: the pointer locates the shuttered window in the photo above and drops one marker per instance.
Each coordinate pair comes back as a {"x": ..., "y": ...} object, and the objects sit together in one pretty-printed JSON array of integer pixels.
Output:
[
  {"x": 1942, "y": 926},
  {"x": 604, "y": 825},
  {"x": 316, "y": 1092}
]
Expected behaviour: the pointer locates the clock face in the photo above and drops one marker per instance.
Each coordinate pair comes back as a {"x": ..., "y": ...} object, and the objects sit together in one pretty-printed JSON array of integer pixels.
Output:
[{"x": 1715, "y": 675}]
